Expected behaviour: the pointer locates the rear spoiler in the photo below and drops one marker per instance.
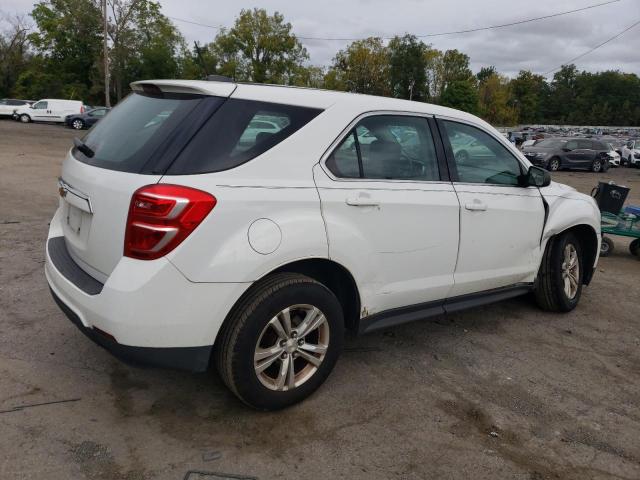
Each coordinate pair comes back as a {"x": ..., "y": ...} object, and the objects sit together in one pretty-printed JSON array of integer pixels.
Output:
[{"x": 200, "y": 87}]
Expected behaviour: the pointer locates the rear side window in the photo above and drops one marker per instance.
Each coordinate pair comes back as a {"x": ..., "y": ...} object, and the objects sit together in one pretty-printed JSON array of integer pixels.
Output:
[
  {"x": 139, "y": 126},
  {"x": 239, "y": 131}
]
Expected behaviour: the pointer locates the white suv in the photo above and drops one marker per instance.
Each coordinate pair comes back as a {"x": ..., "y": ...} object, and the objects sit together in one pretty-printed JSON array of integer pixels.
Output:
[{"x": 184, "y": 240}]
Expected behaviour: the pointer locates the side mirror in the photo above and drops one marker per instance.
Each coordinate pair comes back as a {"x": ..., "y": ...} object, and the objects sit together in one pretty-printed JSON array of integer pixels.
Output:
[{"x": 536, "y": 177}]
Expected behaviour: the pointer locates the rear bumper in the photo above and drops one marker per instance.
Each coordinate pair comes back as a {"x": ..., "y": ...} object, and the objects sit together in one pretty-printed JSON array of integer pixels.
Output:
[
  {"x": 195, "y": 359},
  {"x": 146, "y": 312}
]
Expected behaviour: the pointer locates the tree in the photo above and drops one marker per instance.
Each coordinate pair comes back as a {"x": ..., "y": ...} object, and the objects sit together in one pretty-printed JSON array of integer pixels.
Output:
[
  {"x": 69, "y": 41},
  {"x": 461, "y": 94},
  {"x": 259, "y": 48},
  {"x": 145, "y": 44},
  {"x": 363, "y": 67},
  {"x": 486, "y": 73},
  {"x": 14, "y": 54},
  {"x": 494, "y": 94},
  {"x": 408, "y": 68},
  {"x": 527, "y": 94}
]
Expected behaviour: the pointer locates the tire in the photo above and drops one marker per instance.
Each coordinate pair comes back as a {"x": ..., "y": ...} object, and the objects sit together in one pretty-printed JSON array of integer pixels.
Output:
[
  {"x": 606, "y": 247},
  {"x": 596, "y": 166},
  {"x": 629, "y": 163},
  {"x": 634, "y": 247},
  {"x": 550, "y": 288},
  {"x": 554, "y": 164},
  {"x": 250, "y": 326},
  {"x": 24, "y": 118},
  {"x": 77, "y": 124}
]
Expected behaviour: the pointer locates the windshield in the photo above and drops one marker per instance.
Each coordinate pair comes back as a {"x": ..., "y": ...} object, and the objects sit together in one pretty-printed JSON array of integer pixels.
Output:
[{"x": 550, "y": 143}]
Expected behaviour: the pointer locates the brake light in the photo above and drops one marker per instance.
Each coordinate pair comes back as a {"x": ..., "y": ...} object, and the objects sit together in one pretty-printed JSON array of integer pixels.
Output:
[
  {"x": 161, "y": 217},
  {"x": 81, "y": 108}
]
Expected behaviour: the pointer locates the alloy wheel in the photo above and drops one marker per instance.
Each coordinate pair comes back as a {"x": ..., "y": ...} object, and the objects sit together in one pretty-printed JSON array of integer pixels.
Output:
[
  {"x": 570, "y": 271},
  {"x": 554, "y": 165},
  {"x": 291, "y": 347},
  {"x": 77, "y": 124},
  {"x": 597, "y": 166}
]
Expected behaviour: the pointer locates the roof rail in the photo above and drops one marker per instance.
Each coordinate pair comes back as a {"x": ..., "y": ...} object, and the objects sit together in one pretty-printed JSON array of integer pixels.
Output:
[{"x": 218, "y": 78}]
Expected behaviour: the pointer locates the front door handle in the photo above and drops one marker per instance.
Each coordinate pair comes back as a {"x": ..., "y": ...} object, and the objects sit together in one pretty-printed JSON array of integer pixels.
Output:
[
  {"x": 362, "y": 200},
  {"x": 476, "y": 206}
]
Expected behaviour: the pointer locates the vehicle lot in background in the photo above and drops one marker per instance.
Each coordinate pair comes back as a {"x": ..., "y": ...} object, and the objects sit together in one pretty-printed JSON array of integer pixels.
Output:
[
  {"x": 560, "y": 393},
  {"x": 631, "y": 152}
]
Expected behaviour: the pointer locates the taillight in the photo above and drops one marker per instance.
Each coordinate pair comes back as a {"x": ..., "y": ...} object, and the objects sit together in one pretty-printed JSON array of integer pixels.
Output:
[
  {"x": 161, "y": 217},
  {"x": 81, "y": 108}
]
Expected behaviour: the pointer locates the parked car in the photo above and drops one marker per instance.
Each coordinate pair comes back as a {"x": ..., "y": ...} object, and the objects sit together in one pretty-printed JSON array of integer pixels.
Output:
[
  {"x": 8, "y": 105},
  {"x": 48, "y": 110},
  {"x": 175, "y": 246},
  {"x": 87, "y": 119},
  {"x": 631, "y": 152},
  {"x": 575, "y": 153}
]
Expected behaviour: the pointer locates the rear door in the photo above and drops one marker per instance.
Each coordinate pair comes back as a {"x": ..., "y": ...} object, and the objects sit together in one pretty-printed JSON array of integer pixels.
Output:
[
  {"x": 390, "y": 212},
  {"x": 500, "y": 222},
  {"x": 132, "y": 146}
]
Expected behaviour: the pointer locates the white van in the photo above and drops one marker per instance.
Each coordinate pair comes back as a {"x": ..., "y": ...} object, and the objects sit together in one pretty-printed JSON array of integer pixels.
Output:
[{"x": 48, "y": 110}]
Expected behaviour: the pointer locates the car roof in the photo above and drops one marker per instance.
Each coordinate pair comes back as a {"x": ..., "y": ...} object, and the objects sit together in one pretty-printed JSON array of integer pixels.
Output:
[{"x": 302, "y": 96}]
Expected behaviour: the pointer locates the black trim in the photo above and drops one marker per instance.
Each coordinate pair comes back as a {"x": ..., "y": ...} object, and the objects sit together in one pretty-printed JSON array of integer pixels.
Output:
[
  {"x": 194, "y": 359},
  {"x": 421, "y": 311},
  {"x": 69, "y": 269},
  {"x": 443, "y": 166}
]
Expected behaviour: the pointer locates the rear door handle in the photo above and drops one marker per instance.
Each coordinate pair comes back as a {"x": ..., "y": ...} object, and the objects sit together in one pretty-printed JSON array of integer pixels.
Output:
[
  {"x": 362, "y": 202},
  {"x": 476, "y": 206}
]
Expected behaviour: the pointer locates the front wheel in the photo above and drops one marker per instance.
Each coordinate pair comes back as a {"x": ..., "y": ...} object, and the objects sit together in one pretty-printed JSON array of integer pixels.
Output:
[
  {"x": 559, "y": 283},
  {"x": 280, "y": 341},
  {"x": 634, "y": 247}
]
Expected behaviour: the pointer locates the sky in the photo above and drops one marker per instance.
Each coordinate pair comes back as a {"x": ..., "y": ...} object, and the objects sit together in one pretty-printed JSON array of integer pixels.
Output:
[{"x": 538, "y": 46}]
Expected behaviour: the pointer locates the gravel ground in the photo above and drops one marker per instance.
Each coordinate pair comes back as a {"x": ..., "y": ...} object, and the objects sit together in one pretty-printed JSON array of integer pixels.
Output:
[{"x": 504, "y": 391}]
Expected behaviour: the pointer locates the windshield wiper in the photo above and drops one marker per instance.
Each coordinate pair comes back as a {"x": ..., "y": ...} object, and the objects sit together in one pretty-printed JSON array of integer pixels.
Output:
[{"x": 84, "y": 148}]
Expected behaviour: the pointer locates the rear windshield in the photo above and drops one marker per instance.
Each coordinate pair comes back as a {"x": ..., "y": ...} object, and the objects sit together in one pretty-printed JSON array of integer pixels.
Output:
[
  {"x": 127, "y": 138},
  {"x": 239, "y": 131},
  {"x": 181, "y": 134}
]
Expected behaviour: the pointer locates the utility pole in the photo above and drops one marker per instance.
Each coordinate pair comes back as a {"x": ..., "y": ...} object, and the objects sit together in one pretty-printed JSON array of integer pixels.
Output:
[{"x": 107, "y": 100}]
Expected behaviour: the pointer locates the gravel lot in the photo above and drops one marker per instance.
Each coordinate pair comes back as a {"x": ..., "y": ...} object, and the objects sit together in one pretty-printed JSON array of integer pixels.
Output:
[{"x": 505, "y": 391}]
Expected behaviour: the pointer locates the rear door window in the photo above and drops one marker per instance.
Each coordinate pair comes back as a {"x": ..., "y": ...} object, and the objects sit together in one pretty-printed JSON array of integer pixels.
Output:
[
  {"x": 389, "y": 147},
  {"x": 238, "y": 132}
]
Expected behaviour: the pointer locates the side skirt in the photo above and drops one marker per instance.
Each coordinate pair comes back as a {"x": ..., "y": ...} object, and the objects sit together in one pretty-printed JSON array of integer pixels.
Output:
[{"x": 422, "y": 311}]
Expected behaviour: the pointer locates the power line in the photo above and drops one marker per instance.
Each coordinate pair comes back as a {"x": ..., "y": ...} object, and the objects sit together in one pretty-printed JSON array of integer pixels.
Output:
[
  {"x": 594, "y": 48},
  {"x": 439, "y": 34}
]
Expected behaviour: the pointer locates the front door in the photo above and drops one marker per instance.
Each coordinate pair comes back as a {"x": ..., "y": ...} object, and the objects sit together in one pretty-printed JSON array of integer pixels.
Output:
[
  {"x": 391, "y": 218},
  {"x": 500, "y": 222},
  {"x": 40, "y": 111}
]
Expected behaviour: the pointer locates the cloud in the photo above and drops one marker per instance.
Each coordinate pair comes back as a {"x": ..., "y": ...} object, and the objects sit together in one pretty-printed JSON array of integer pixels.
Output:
[{"x": 539, "y": 46}]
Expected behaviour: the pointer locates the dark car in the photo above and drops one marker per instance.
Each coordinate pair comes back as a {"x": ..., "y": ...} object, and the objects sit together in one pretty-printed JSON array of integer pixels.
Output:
[
  {"x": 87, "y": 119},
  {"x": 576, "y": 153}
]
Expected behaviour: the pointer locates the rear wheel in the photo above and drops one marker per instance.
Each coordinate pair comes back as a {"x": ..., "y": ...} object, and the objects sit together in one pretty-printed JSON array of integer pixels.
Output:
[
  {"x": 559, "y": 283},
  {"x": 596, "y": 166},
  {"x": 554, "y": 164},
  {"x": 606, "y": 247},
  {"x": 634, "y": 247},
  {"x": 24, "y": 118},
  {"x": 281, "y": 341},
  {"x": 77, "y": 124}
]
